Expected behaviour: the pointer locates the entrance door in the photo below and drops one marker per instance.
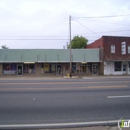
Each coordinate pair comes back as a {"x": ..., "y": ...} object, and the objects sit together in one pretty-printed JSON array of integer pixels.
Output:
[
  {"x": 59, "y": 69},
  {"x": 19, "y": 70},
  {"x": 84, "y": 69},
  {"x": 124, "y": 68},
  {"x": 95, "y": 69},
  {"x": 108, "y": 68}
]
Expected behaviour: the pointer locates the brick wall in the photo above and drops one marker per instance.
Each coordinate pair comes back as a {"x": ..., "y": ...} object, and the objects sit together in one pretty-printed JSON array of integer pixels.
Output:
[
  {"x": 101, "y": 64},
  {"x": 106, "y": 42},
  {"x": 97, "y": 44},
  {"x": 109, "y": 40},
  {"x": 101, "y": 68}
]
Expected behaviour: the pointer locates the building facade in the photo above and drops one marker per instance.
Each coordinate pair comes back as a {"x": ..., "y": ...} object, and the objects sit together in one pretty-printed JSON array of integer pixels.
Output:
[
  {"x": 116, "y": 54},
  {"x": 46, "y": 62}
]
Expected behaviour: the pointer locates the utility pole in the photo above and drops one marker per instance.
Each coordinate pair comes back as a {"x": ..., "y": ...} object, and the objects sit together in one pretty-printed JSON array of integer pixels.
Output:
[{"x": 70, "y": 47}]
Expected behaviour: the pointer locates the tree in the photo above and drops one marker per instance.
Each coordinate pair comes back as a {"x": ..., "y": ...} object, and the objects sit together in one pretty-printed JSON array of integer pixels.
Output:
[
  {"x": 78, "y": 42},
  {"x": 4, "y": 47}
]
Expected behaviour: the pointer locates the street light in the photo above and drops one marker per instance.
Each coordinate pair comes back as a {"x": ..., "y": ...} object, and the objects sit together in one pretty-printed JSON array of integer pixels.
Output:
[{"x": 70, "y": 47}]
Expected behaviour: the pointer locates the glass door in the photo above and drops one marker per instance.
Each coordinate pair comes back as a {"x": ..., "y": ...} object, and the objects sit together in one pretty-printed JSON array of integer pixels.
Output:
[
  {"x": 19, "y": 70},
  {"x": 124, "y": 68},
  {"x": 95, "y": 69},
  {"x": 59, "y": 69}
]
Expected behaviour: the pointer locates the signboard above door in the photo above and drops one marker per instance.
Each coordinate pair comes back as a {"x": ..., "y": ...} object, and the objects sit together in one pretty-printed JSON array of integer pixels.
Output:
[{"x": 123, "y": 48}]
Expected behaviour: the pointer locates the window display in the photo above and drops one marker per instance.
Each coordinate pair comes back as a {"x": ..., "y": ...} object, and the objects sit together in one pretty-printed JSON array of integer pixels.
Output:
[
  {"x": 29, "y": 68},
  {"x": 9, "y": 68},
  {"x": 117, "y": 66}
]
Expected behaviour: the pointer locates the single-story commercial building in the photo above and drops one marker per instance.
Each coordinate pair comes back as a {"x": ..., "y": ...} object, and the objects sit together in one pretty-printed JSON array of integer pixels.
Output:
[{"x": 43, "y": 62}]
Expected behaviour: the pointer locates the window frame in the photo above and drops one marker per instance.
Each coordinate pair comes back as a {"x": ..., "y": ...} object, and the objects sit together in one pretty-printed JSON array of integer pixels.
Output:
[
  {"x": 129, "y": 49},
  {"x": 112, "y": 48}
]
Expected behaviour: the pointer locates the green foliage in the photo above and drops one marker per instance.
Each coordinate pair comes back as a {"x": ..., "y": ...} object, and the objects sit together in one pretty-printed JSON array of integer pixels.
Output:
[
  {"x": 78, "y": 42},
  {"x": 4, "y": 47}
]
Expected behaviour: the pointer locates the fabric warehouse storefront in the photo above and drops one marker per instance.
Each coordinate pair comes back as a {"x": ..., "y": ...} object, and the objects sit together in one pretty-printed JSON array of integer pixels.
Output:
[{"x": 44, "y": 62}]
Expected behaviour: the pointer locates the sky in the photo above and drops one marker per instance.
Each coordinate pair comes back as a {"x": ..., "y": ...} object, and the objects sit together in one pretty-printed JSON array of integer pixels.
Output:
[{"x": 44, "y": 24}]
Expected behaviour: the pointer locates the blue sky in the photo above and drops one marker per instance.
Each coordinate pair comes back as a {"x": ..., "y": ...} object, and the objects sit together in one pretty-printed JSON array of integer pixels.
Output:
[{"x": 48, "y": 20}]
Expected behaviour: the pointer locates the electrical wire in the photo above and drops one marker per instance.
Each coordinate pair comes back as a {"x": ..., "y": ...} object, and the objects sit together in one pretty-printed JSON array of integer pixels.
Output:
[
  {"x": 87, "y": 28},
  {"x": 68, "y": 36},
  {"x": 33, "y": 36},
  {"x": 34, "y": 39},
  {"x": 39, "y": 39},
  {"x": 102, "y": 16},
  {"x": 108, "y": 22},
  {"x": 107, "y": 32}
]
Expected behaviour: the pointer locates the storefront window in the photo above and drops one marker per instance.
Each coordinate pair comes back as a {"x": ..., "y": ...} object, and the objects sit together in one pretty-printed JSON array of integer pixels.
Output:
[
  {"x": 9, "y": 68},
  {"x": 89, "y": 69},
  {"x": 117, "y": 66},
  {"x": 46, "y": 67},
  {"x": 29, "y": 68},
  {"x": 73, "y": 67},
  {"x": 49, "y": 68},
  {"x": 78, "y": 67},
  {"x": 86, "y": 68},
  {"x": 53, "y": 68}
]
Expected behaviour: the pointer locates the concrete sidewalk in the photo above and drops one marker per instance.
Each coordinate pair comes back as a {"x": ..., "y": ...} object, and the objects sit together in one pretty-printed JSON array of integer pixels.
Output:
[
  {"x": 98, "y": 76},
  {"x": 57, "y": 77},
  {"x": 30, "y": 77},
  {"x": 91, "y": 128}
]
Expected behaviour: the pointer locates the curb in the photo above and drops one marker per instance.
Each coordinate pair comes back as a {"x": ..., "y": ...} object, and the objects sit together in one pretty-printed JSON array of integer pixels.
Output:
[
  {"x": 31, "y": 77},
  {"x": 60, "y": 125},
  {"x": 74, "y": 77}
]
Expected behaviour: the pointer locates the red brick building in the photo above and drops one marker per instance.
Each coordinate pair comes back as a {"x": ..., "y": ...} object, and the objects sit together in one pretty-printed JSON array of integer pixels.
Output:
[{"x": 116, "y": 54}]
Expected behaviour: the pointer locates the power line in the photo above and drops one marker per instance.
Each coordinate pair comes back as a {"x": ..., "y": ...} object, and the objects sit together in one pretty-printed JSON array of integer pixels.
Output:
[
  {"x": 108, "y": 22},
  {"x": 104, "y": 16},
  {"x": 67, "y": 36},
  {"x": 87, "y": 28},
  {"x": 34, "y": 39},
  {"x": 33, "y": 36},
  {"x": 39, "y": 39},
  {"x": 108, "y": 31}
]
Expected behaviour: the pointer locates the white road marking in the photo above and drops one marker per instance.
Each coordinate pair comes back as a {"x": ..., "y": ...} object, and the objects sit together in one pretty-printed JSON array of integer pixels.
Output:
[
  {"x": 60, "y": 125},
  {"x": 25, "y": 83},
  {"x": 125, "y": 96},
  {"x": 61, "y": 88}
]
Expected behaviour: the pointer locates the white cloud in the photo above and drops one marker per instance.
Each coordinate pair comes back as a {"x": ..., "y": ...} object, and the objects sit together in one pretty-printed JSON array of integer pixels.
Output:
[{"x": 51, "y": 18}]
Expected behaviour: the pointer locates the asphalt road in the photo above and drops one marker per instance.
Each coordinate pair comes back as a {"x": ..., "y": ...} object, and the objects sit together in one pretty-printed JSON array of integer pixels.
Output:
[{"x": 64, "y": 100}]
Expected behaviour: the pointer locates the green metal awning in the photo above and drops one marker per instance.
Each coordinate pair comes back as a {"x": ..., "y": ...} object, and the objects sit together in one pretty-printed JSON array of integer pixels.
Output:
[{"x": 48, "y": 55}]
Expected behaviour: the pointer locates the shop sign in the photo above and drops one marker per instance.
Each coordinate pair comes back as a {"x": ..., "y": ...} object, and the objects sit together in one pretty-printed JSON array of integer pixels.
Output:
[
  {"x": 123, "y": 48},
  {"x": 46, "y": 67}
]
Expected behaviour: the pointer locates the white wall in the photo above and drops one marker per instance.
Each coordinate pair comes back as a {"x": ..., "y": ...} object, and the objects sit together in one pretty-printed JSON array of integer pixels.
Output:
[{"x": 109, "y": 68}]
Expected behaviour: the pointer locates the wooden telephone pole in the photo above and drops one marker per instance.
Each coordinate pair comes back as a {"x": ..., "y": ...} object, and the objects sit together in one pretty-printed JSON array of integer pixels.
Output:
[{"x": 70, "y": 47}]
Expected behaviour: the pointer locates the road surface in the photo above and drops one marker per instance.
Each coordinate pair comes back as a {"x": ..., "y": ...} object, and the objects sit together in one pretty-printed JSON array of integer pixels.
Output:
[{"x": 64, "y": 100}]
